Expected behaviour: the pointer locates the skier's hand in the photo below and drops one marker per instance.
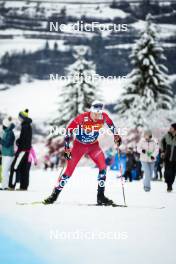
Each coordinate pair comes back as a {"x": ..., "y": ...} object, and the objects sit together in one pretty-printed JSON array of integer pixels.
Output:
[
  {"x": 117, "y": 140},
  {"x": 67, "y": 154},
  {"x": 152, "y": 158},
  {"x": 143, "y": 151}
]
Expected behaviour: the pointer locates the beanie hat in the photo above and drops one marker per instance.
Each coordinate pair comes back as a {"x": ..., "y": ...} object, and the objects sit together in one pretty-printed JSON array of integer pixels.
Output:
[
  {"x": 96, "y": 107},
  {"x": 174, "y": 126},
  {"x": 7, "y": 122},
  {"x": 24, "y": 114}
]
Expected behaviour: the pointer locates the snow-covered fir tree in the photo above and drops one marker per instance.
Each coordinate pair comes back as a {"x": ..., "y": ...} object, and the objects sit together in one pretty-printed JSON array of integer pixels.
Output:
[
  {"x": 147, "y": 87},
  {"x": 80, "y": 90}
]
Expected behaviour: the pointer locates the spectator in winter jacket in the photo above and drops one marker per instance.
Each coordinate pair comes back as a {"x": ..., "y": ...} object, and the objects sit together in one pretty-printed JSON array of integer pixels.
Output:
[
  {"x": 148, "y": 149},
  {"x": 21, "y": 164},
  {"x": 158, "y": 166},
  {"x": 130, "y": 164},
  {"x": 7, "y": 142},
  {"x": 168, "y": 153}
]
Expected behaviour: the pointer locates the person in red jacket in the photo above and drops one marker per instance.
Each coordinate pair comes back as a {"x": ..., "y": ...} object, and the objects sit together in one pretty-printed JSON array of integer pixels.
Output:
[{"x": 86, "y": 126}]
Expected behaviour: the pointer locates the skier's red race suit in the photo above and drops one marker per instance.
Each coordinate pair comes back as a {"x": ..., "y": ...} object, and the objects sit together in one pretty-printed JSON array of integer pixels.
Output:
[{"x": 86, "y": 142}]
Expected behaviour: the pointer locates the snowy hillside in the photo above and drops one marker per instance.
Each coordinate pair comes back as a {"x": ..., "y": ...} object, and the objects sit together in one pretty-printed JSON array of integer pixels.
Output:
[
  {"x": 42, "y": 97},
  {"x": 71, "y": 232}
]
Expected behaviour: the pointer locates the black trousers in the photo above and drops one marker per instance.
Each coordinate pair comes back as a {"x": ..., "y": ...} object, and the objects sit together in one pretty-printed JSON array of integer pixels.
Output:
[
  {"x": 127, "y": 175},
  {"x": 20, "y": 171},
  {"x": 170, "y": 172}
]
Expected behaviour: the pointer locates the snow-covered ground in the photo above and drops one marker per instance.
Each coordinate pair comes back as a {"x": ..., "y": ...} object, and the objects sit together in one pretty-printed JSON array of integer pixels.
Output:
[{"x": 72, "y": 232}]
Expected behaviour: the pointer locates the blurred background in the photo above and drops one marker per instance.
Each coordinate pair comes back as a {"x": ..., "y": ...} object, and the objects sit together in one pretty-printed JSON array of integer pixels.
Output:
[{"x": 30, "y": 53}]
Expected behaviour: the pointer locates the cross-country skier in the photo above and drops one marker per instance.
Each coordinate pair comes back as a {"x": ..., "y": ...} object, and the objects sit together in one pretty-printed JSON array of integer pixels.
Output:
[{"x": 87, "y": 126}]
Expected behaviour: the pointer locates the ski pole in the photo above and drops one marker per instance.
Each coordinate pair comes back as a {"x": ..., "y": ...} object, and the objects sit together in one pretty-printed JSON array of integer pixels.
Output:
[
  {"x": 62, "y": 168},
  {"x": 123, "y": 190}
]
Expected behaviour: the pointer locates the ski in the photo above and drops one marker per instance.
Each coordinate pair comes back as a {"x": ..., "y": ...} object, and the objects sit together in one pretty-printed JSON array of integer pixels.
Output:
[
  {"x": 100, "y": 205},
  {"x": 105, "y": 205},
  {"x": 41, "y": 202},
  {"x": 29, "y": 203},
  {"x": 121, "y": 205}
]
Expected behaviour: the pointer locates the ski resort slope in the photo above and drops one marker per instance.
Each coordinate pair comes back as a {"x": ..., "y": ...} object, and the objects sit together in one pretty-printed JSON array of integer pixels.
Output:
[{"x": 70, "y": 231}]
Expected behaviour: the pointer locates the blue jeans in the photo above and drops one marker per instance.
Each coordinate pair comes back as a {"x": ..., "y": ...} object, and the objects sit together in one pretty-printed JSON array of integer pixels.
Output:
[{"x": 148, "y": 168}]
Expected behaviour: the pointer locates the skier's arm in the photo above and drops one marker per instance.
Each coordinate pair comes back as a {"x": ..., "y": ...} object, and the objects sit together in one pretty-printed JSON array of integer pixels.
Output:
[
  {"x": 70, "y": 129},
  {"x": 110, "y": 124}
]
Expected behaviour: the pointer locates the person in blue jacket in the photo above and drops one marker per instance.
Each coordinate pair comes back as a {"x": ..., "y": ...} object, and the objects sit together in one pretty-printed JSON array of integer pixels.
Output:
[{"x": 7, "y": 142}]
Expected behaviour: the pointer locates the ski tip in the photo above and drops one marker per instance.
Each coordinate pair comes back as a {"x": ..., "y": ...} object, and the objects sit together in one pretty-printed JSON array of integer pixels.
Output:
[{"x": 29, "y": 203}]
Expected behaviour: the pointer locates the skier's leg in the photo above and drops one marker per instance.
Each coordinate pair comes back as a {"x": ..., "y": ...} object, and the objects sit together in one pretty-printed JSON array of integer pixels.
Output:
[
  {"x": 77, "y": 152},
  {"x": 97, "y": 155}
]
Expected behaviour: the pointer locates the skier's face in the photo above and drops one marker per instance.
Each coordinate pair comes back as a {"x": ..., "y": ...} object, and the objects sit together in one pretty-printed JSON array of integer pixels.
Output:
[{"x": 95, "y": 116}]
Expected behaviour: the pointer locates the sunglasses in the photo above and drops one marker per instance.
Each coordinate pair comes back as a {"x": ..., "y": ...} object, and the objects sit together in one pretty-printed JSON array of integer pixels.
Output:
[{"x": 98, "y": 106}]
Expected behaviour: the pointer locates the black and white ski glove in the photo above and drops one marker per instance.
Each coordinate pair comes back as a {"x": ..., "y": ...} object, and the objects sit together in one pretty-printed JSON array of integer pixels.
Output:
[
  {"x": 143, "y": 151},
  {"x": 67, "y": 154}
]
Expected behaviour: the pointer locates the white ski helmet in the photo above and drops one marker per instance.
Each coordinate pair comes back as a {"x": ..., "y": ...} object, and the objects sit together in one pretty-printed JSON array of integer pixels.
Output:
[{"x": 96, "y": 107}]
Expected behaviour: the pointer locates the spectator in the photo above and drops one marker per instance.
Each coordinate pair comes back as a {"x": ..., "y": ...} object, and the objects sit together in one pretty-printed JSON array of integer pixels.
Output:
[
  {"x": 7, "y": 142},
  {"x": 139, "y": 172},
  {"x": 21, "y": 164},
  {"x": 148, "y": 149},
  {"x": 130, "y": 164},
  {"x": 53, "y": 160},
  {"x": 168, "y": 153},
  {"x": 46, "y": 162},
  {"x": 158, "y": 167}
]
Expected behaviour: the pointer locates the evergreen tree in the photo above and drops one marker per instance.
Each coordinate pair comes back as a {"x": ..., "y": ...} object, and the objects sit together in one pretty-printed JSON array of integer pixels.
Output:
[
  {"x": 80, "y": 90},
  {"x": 47, "y": 45},
  {"x": 147, "y": 88}
]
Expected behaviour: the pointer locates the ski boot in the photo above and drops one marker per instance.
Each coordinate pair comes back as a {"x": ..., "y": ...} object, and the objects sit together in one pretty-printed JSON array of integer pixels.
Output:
[
  {"x": 101, "y": 198},
  {"x": 53, "y": 197}
]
